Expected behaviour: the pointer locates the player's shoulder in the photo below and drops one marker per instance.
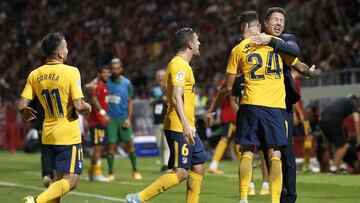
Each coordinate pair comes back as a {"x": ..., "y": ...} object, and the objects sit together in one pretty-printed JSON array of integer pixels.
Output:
[
  {"x": 69, "y": 68},
  {"x": 288, "y": 37},
  {"x": 244, "y": 44},
  {"x": 125, "y": 80},
  {"x": 177, "y": 63}
]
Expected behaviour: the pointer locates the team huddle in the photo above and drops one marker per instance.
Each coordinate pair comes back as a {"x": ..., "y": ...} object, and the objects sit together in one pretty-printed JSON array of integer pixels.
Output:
[{"x": 263, "y": 120}]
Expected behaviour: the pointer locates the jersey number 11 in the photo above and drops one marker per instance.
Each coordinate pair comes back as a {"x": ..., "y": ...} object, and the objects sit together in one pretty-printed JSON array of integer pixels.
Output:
[{"x": 50, "y": 98}]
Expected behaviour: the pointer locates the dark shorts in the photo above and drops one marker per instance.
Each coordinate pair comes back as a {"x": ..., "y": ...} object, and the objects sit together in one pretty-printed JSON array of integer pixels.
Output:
[
  {"x": 261, "y": 126},
  {"x": 99, "y": 134},
  {"x": 333, "y": 130},
  {"x": 65, "y": 158},
  {"x": 183, "y": 155},
  {"x": 228, "y": 129}
]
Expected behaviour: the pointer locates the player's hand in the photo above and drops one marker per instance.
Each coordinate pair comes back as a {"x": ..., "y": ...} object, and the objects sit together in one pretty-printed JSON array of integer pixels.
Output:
[
  {"x": 106, "y": 119},
  {"x": 209, "y": 118},
  {"x": 313, "y": 71},
  {"x": 87, "y": 108},
  {"x": 261, "y": 40},
  {"x": 127, "y": 123},
  {"x": 189, "y": 134},
  {"x": 91, "y": 86},
  {"x": 29, "y": 114}
]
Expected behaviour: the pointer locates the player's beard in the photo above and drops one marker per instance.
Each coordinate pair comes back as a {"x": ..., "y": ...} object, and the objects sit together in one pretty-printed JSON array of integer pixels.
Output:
[{"x": 196, "y": 53}]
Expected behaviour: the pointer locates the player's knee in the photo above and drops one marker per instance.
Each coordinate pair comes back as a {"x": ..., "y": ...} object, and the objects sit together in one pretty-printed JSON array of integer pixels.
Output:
[
  {"x": 73, "y": 185},
  {"x": 247, "y": 150},
  {"x": 181, "y": 173},
  {"x": 111, "y": 149},
  {"x": 274, "y": 153},
  {"x": 72, "y": 180},
  {"x": 224, "y": 139},
  {"x": 129, "y": 147},
  {"x": 199, "y": 169}
]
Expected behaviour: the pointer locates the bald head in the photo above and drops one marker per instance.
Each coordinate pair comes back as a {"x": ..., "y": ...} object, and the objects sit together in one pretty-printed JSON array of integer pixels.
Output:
[{"x": 160, "y": 77}]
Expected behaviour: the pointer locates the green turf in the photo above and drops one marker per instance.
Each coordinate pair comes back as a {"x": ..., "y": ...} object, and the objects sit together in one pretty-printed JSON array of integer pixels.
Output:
[{"x": 23, "y": 169}]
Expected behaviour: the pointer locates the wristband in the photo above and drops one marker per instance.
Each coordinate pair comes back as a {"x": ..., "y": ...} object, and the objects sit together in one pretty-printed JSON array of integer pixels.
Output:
[{"x": 102, "y": 112}]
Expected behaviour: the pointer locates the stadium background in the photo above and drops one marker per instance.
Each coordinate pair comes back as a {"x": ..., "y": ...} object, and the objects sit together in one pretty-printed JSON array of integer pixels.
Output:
[{"x": 139, "y": 33}]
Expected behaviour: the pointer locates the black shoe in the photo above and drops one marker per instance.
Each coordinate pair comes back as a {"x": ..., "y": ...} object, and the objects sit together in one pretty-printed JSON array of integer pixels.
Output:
[{"x": 163, "y": 169}]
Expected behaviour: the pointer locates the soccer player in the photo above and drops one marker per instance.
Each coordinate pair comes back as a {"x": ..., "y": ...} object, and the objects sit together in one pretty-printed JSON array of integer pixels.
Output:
[
  {"x": 58, "y": 87},
  {"x": 187, "y": 150},
  {"x": 301, "y": 124},
  {"x": 120, "y": 112},
  {"x": 262, "y": 121},
  {"x": 158, "y": 101},
  {"x": 227, "y": 119},
  {"x": 98, "y": 122},
  {"x": 274, "y": 25},
  {"x": 331, "y": 124},
  {"x": 235, "y": 98}
]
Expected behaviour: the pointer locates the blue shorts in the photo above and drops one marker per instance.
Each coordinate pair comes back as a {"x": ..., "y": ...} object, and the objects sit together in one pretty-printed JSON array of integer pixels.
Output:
[
  {"x": 228, "y": 129},
  {"x": 261, "y": 126},
  {"x": 65, "y": 158},
  {"x": 99, "y": 134},
  {"x": 183, "y": 155}
]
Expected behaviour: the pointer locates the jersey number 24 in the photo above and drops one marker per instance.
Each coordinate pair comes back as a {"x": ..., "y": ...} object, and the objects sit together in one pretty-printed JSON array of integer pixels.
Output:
[{"x": 271, "y": 58}]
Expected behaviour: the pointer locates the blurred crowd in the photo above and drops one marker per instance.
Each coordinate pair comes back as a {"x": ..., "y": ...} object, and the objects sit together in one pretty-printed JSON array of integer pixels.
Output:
[{"x": 139, "y": 33}]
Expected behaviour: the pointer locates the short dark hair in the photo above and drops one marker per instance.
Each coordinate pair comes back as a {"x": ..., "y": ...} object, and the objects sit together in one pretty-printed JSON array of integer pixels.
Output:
[
  {"x": 51, "y": 42},
  {"x": 182, "y": 37},
  {"x": 102, "y": 67},
  {"x": 272, "y": 10},
  {"x": 247, "y": 17}
]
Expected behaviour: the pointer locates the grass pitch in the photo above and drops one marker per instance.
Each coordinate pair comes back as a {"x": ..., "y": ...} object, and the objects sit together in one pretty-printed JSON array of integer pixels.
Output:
[{"x": 20, "y": 176}]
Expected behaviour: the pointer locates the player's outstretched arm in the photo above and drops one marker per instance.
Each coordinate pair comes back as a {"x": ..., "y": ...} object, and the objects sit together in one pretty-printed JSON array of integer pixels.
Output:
[
  {"x": 224, "y": 92},
  {"x": 27, "y": 112},
  {"x": 81, "y": 106},
  {"x": 304, "y": 69}
]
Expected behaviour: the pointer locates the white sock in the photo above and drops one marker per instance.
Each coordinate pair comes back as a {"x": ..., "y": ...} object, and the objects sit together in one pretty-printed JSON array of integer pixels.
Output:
[
  {"x": 243, "y": 201},
  {"x": 214, "y": 165},
  {"x": 251, "y": 185},
  {"x": 265, "y": 184}
]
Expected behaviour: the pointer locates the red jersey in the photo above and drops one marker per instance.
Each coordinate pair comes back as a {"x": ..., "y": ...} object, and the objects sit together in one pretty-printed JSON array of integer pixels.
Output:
[
  {"x": 298, "y": 89},
  {"x": 227, "y": 113},
  {"x": 101, "y": 93}
]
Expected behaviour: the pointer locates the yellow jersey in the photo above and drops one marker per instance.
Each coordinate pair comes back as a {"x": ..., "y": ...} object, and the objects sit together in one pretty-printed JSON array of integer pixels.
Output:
[
  {"x": 263, "y": 72},
  {"x": 179, "y": 73},
  {"x": 56, "y": 85}
]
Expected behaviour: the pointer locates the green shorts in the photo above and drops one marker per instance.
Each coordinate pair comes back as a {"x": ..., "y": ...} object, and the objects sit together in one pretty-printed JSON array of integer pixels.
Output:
[{"x": 116, "y": 131}]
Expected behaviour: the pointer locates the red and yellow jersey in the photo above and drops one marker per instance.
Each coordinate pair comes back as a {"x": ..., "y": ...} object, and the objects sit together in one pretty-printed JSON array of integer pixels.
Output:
[
  {"x": 101, "y": 93},
  {"x": 56, "y": 85},
  {"x": 179, "y": 73},
  {"x": 263, "y": 72}
]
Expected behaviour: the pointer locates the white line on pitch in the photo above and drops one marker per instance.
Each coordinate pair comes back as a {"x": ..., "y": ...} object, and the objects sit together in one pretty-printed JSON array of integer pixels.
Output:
[{"x": 115, "y": 199}]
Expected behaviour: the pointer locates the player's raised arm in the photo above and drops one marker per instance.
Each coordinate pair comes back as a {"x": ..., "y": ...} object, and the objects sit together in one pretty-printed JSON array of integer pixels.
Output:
[
  {"x": 289, "y": 46},
  {"x": 304, "y": 69}
]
